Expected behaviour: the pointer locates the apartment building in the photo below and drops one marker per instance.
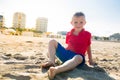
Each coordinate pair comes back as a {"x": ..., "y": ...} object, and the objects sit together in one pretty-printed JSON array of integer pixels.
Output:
[
  {"x": 19, "y": 20},
  {"x": 41, "y": 24}
]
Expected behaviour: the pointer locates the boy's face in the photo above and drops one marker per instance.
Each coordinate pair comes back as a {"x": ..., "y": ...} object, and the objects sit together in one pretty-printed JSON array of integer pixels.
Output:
[{"x": 78, "y": 22}]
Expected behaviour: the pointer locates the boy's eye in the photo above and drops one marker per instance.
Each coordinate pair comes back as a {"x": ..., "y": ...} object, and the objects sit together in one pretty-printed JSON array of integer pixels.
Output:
[
  {"x": 81, "y": 22},
  {"x": 78, "y": 22},
  {"x": 75, "y": 22}
]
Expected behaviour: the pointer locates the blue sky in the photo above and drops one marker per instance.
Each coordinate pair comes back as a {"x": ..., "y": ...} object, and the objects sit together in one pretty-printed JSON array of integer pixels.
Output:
[{"x": 103, "y": 16}]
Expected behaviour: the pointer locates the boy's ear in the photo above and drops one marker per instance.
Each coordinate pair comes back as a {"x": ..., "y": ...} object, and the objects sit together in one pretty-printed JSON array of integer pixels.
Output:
[
  {"x": 85, "y": 22},
  {"x": 71, "y": 22}
]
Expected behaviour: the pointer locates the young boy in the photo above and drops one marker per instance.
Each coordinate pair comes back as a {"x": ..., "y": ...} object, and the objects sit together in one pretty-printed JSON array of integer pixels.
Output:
[{"x": 78, "y": 41}]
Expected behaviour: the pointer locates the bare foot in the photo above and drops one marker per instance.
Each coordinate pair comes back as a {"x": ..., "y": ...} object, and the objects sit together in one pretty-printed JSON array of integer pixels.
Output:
[
  {"x": 51, "y": 73},
  {"x": 47, "y": 64}
]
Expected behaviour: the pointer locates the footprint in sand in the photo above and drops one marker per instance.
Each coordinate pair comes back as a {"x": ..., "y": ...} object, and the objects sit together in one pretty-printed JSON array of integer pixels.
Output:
[
  {"x": 20, "y": 57},
  {"x": 28, "y": 41},
  {"x": 16, "y": 77},
  {"x": 6, "y": 56}
]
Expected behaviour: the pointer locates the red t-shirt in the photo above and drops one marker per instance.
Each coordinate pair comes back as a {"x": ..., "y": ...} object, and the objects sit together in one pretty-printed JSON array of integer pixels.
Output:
[{"x": 79, "y": 43}]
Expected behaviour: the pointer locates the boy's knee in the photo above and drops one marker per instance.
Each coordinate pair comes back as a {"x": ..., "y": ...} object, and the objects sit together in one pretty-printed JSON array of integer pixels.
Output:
[
  {"x": 78, "y": 58},
  {"x": 53, "y": 42}
]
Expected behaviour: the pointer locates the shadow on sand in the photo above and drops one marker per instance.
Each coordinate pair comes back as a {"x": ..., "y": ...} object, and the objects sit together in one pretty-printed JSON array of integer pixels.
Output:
[{"x": 85, "y": 73}]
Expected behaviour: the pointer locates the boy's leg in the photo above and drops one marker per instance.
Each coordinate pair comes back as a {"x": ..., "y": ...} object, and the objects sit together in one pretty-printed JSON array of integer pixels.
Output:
[
  {"x": 68, "y": 65},
  {"x": 51, "y": 53}
]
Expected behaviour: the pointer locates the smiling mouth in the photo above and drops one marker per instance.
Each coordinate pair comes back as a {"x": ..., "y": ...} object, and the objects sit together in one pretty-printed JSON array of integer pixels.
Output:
[{"x": 78, "y": 27}]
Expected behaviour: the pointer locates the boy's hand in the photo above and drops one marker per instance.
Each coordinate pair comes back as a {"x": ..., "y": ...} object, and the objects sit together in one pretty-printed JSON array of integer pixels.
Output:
[{"x": 92, "y": 63}]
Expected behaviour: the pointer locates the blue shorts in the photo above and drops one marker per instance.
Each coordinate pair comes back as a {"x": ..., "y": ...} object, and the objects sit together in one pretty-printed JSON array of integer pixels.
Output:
[{"x": 65, "y": 55}]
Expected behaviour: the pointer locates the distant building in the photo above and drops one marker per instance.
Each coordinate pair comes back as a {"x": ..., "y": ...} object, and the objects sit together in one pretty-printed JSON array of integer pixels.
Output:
[
  {"x": 41, "y": 24},
  {"x": 115, "y": 37},
  {"x": 1, "y": 21},
  {"x": 19, "y": 20},
  {"x": 62, "y": 32}
]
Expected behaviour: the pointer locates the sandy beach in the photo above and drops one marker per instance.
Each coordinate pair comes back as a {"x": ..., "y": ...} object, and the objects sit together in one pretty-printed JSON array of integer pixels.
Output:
[{"x": 21, "y": 57}]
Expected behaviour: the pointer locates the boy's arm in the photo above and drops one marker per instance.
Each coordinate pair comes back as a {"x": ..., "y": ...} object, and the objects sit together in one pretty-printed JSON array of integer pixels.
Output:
[{"x": 90, "y": 56}]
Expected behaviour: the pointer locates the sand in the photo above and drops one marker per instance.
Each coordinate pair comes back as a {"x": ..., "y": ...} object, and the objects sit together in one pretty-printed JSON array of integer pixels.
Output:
[{"x": 21, "y": 57}]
